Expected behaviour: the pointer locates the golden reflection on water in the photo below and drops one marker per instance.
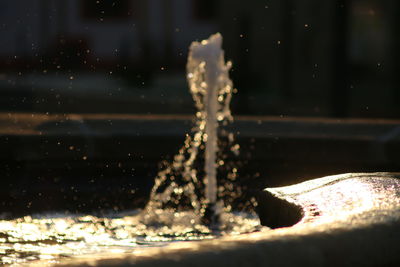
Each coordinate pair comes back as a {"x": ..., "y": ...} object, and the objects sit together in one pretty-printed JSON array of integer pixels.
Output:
[{"x": 51, "y": 237}]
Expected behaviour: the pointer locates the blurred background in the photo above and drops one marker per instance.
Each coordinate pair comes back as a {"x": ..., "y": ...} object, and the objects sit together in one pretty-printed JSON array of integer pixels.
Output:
[
  {"x": 332, "y": 58},
  {"x": 93, "y": 93}
]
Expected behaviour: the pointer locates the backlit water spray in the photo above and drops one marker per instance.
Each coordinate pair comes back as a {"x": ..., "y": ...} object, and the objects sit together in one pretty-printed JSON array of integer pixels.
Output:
[
  {"x": 193, "y": 197},
  {"x": 192, "y": 175}
]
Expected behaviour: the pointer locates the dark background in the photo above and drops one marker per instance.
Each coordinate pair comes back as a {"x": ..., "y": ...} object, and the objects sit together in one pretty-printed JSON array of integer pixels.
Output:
[
  {"x": 330, "y": 58},
  {"x": 93, "y": 93}
]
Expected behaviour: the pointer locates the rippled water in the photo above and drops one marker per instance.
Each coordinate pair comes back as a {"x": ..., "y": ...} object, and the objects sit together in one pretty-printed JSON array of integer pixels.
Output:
[{"x": 53, "y": 236}]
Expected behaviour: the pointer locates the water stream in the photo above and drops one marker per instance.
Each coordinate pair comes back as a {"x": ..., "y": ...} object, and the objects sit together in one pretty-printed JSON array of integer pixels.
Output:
[{"x": 193, "y": 197}]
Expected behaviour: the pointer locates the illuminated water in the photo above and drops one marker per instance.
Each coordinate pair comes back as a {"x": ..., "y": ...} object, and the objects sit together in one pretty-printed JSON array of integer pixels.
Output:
[
  {"x": 200, "y": 181},
  {"x": 52, "y": 237},
  {"x": 203, "y": 175}
]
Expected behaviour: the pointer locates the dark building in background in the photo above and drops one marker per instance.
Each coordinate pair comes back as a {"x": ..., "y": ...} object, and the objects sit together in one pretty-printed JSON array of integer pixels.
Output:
[{"x": 307, "y": 58}]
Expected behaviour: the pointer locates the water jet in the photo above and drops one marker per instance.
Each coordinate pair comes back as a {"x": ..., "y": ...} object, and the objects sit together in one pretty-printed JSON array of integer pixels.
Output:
[{"x": 211, "y": 88}]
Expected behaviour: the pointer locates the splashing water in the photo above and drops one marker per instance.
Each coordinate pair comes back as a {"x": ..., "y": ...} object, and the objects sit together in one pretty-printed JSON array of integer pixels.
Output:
[
  {"x": 187, "y": 200},
  {"x": 190, "y": 182}
]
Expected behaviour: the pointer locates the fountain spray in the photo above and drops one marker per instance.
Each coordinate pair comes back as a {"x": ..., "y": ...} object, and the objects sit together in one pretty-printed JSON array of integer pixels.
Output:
[
  {"x": 206, "y": 60},
  {"x": 182, "y": 183}
]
